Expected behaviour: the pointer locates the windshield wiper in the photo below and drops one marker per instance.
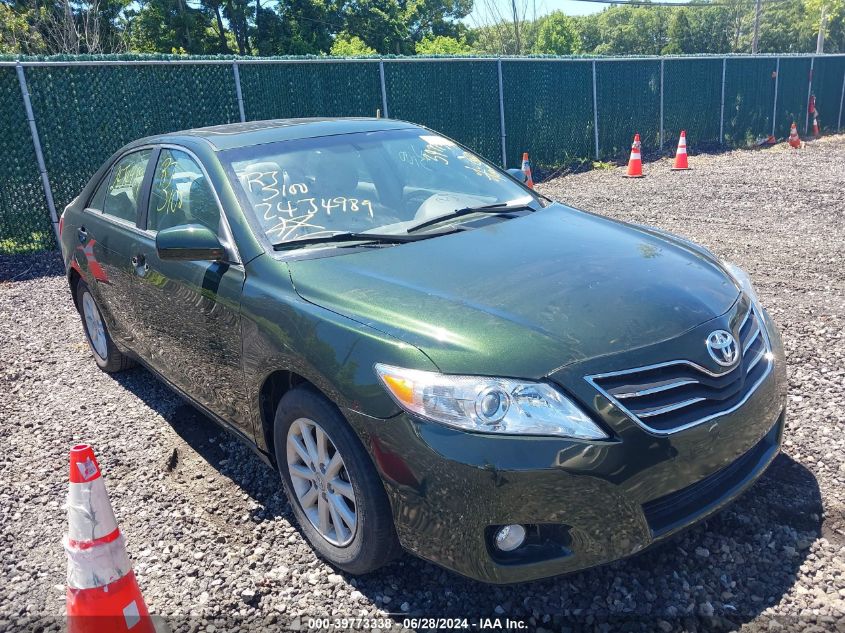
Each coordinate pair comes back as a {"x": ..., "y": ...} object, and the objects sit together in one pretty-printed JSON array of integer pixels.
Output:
[
  {"x": 384, "y": 238},
  {"x": 497, "y": 207}
]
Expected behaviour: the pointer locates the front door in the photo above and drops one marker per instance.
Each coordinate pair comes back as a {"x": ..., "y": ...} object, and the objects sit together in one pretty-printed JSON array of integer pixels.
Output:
[{"x": 191, "y": 309}]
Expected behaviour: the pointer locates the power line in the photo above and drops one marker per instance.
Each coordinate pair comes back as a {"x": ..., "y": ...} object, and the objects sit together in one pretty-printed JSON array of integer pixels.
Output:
[{"x": 703, "y": 5}]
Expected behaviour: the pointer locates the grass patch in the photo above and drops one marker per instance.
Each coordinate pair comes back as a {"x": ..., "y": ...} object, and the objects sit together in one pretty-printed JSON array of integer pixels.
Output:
[{"x": 33, "y": 243}]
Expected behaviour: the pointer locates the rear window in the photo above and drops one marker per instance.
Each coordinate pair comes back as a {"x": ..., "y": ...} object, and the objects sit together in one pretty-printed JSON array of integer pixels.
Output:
[
  {"x": 99, "y": 197},
  {"x": 124, "y": 188}
]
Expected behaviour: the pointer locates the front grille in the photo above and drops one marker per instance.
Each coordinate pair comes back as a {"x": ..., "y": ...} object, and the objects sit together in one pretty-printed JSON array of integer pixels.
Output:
[
  {"x": 680, "y": 507},
  {"x": 672, "y": 396}
]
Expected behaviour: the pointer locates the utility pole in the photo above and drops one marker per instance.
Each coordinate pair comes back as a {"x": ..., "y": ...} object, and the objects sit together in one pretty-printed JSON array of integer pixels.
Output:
[
  {"x": 758, "y": 6},
  {"x": 516, "y": 26},
  {"x": 820, "y": 40},
  {"x": 257, "y": 27}
]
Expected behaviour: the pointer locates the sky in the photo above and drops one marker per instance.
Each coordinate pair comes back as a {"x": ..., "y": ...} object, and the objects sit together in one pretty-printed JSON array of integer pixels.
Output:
[{"x": 481, "y": 14}]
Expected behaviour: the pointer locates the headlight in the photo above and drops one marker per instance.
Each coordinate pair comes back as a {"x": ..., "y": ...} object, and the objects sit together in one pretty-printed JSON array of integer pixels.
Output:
[
  {"x": 743, "y": 281},
  {"x": 487, "y": 405}
]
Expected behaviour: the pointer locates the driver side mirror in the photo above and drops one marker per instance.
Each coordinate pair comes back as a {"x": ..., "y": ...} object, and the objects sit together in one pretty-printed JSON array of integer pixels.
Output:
[
  {"x": 517, "y": 174},
  {"x": 189, "y": 242}
]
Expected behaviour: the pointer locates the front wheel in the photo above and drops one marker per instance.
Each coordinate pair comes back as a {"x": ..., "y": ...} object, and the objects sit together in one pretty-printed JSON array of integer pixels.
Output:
[
  {"x": 331, "y": 484},
  {"x": 107, "y": 356}
]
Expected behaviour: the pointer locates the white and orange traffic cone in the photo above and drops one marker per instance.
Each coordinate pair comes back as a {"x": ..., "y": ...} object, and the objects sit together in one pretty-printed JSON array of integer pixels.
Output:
[
  {"x": 635, "y": 162},
  {"x": 102, "y": 593},
  {"x": 681, "y": 162},
  {"x": 794, "y": 141},
  {"x": 816, "y": 131},
  {"x": 526, "y": 169}
]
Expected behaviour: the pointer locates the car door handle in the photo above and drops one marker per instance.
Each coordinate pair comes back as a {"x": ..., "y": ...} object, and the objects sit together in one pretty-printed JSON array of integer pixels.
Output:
[{"x": 82, "y": 234}]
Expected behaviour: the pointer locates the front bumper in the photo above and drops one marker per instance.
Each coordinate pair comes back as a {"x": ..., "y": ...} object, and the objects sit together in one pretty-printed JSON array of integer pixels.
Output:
[{"x": 594, "y": 502}]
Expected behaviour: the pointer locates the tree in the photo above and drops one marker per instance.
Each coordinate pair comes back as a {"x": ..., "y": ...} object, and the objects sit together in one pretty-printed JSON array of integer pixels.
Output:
[
  {"x": 441, "y": 45},
  {"x": 346, "y": 45},
  {"x": 17, "y": 35},
  {"x": 557, "y": 35},
  {"x": 711, "y": 28},
  {"x": 589, "y": 32},
  {"x": 295, "y": 27},
  {"x": 171, "y": 26},
  {"x": 680, "y": 34}
]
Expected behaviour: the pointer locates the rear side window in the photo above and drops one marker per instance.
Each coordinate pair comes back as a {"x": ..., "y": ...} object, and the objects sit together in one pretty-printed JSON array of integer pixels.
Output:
[
  {"x": 99, "y": 197},
  {"x": 125, "y": 186},
  {"x": 181, "y": 194}
]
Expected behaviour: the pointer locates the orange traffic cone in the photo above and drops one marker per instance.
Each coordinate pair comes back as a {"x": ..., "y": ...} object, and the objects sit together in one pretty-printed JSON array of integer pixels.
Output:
[
  {"x": 635, "y": 163},
  {"x": 102, "y": 594},
  {"x": 816, "y": 132},
  {"x": 794, "y": 141},
  {"x": 526, "y": 169},
  {"x": 681, "y": 155}
]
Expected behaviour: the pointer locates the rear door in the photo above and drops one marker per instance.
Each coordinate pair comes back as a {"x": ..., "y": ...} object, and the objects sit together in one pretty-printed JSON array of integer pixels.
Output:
[
  {"x": 191, "y": 309},
  {"x": 107, "y": 236}
]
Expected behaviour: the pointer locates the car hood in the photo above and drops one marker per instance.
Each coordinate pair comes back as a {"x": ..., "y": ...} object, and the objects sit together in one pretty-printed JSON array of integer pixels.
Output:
[{"x": 526, "y": 296}]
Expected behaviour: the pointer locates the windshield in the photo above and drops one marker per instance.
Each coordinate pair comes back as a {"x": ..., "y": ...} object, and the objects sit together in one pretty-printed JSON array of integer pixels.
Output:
[{"x": 384, "y": 182}]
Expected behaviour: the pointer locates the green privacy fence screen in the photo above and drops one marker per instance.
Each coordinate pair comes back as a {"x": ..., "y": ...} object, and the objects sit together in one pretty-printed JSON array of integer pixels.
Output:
[
  {"x": 461, "y": 100},
  {"x": 278, "y": 91},
  {"x": 85, "y": 113},
  {"x": 692, "y": 85},
  {"x": 24, "y": 221},
  {"x": 829, "y": 87},
  {"x": 548, "y": 108},
  {"x": 561, "y": 110}
]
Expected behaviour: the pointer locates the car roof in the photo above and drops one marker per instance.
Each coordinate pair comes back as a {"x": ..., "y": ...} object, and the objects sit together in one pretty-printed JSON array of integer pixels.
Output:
[{"x": 234, "y": 135}]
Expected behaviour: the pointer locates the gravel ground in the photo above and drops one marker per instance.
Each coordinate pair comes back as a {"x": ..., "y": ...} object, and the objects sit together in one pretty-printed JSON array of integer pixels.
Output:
[{"x": 211, "y": 535}]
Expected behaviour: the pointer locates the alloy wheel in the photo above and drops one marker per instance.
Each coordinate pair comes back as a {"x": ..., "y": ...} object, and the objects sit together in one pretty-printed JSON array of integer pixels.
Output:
[
  {"x": 94, "y": 326},
  {"x": 321, "y": 482}
]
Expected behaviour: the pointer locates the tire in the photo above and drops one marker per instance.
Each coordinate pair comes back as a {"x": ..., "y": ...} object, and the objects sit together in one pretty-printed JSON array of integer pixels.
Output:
[
  {"x": 373, "y": 541},
  {"x": 106, "y": 355}
]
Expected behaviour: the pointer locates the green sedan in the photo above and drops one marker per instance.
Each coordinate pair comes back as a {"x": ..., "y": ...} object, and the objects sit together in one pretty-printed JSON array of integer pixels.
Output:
[{"x": 434, "y": 356}]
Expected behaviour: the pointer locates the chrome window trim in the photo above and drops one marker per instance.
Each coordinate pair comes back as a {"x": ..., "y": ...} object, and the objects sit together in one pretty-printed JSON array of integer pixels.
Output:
[
  {"x": 118, "y": 221},
  {"x": 591, "y": 379}
]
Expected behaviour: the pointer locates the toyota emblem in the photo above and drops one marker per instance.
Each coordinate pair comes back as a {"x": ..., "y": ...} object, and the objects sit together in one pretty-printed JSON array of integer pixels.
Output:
[{"x": 722, "y": 348}]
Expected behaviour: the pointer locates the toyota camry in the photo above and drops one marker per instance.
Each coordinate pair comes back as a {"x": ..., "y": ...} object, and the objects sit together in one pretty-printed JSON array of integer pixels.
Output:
[{"x": 435, "y": 357}]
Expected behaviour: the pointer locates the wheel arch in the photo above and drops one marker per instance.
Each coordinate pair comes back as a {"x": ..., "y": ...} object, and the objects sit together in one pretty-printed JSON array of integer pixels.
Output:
[
  {"x": 276, "y": 384},
  {"x": 73, "y": 278}
]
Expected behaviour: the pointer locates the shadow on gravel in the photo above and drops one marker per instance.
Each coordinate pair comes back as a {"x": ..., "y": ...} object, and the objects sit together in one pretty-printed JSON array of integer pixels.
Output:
[
  {"x": 16, "y": 268},
  {"x": 221, "y": 450},
  {"x": 716, "y": 575}
]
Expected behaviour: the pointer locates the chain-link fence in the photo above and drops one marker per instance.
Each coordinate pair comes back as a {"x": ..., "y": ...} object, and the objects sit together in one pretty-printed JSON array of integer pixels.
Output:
[{"x": 65, "y": 116}]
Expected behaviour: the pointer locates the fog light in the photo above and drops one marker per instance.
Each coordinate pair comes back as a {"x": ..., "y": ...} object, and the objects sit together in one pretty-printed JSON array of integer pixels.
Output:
[{"x": 510, "y": 537}]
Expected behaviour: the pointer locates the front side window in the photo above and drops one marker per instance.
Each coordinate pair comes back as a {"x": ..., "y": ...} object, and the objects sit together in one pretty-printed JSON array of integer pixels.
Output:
[
  {"x": 181, "y": 194},
  {"x": 385, "y": 182},
  {"x": 124, "y": 188}
]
